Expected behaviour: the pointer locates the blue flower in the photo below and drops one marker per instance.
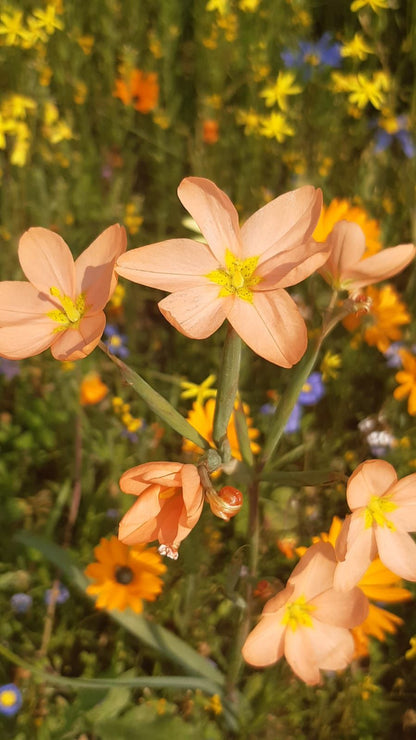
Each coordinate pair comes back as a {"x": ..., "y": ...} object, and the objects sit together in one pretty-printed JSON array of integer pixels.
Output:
[
  {"x": 267, "y": 409},
  {"x": 391, "y": 128},
  {"x": 9, "y": 368},
  {"x": 314, "y": 54},
  {"x": 392, "y": 356},
  {"x": 312, "y": 391},
  {"x": 293, "y": 422},
  {"x": 10, "y": 699},
  {"x": 62, "y": 596},
  {"x": 116, "y": 342},
  {"x": 21, "y": 602}
]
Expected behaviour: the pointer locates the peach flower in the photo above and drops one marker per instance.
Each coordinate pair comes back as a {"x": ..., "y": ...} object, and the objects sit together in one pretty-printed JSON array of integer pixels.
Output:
[
  {"x": 383, "y": 512},
  {"x": 169, "y": 504},
  {"x": 308, "y": 622},
  {"x": 61, "y": 306},
  {"x": 240, "y": 275},
  {"x": 346, "y": 268}
]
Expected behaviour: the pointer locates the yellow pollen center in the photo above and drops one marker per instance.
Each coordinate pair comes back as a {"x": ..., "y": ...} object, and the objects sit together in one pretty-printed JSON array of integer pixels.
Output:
[
  {"x": 8, "y": 698},
  {"x": 72, "y": 312},
  {"x": 237, "y": 278},
  {"x": 306, "y": 387},
  {"x": 298, "y": 614},
  {"x": 376, "y": 510},
  {"x": 168, "y": 493}
]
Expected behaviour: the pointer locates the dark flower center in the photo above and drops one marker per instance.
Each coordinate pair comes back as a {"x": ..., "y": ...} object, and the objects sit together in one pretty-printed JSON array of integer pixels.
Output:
[{"x": 123, "y": 574}]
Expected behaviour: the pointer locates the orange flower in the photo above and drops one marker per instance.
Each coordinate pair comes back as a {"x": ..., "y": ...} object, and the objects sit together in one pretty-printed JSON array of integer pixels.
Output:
[
  {"x": 210, "y": 131},
  {"x": 407, "y": 381},
  {"x": 92, "y": 390},
  {"x": 140, "y": 89},
  {"x": 201, "y": 417},
  {"x": 341, "y": 209},
  {"x": 169, "y": 504},
  {"x": 308, "y": 622},
  {"x": 240, "y": 274},
  {"x": 61, "y": 306}
]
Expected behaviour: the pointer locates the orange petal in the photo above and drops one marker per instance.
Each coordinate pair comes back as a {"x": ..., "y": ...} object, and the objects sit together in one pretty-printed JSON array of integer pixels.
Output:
[
  {"x": 21, "y": 302},
  {"x": 175, "y": 264},
  {"x": 94, "y": 268},
  {"x": 140, "y": 523},
  {"x": 283, "y": 223},
  {"x": 380, "y": 266},
  {"x": 47, "y": 261},
  {"x": 271, "y": 326},
  {"x": 214, "y": 213},
  {"x": 397, "y": 551},
  {"x": 75, "y": 344},
  {"x": 264, "y": 645},
  {"x": 371, "y": 478},
  {"x": 25, "y": 340},
  {"x": 196, "y": 312}
]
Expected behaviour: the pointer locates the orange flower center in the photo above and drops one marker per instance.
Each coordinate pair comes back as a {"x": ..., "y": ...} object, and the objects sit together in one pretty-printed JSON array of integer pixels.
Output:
[
  {"x": 237, "y": 278},
  {"x": 72, "y": 313},
  {"x": 298, "y": 614},
  {"x": 123, "y": 574}
]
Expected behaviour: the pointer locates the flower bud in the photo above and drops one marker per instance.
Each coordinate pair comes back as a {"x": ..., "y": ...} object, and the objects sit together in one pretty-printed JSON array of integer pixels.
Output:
[{"x": 226, "y": 503}]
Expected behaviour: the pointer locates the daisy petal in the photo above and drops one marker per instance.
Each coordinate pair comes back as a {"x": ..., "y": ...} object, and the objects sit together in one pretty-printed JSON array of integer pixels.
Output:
[
  {"x": 194, "y": 312},
  {"x": 47, "y": 261},
  {"x": 214, "y": 213},
  {"x": 175, "y": 264},
  {"x": 271, "y": 326}
]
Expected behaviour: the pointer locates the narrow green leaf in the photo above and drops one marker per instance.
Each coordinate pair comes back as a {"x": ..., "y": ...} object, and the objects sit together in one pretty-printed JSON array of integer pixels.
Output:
[
  {"x": 227, "y": 385},
  {"x": 151, "y": 634}
]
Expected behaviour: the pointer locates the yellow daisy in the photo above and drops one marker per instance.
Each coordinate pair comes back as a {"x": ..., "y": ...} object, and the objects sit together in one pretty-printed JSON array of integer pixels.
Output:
[
  {"x": 124, "y": 576},
  {"x": 407, "y": 381},
  {"x": 342, "y": 209},
  {"x": 202, "y": 419}
]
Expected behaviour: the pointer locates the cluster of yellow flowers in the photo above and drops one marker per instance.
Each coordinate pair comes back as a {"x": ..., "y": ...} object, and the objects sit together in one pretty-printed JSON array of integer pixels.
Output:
[
  {"x": 15, "y": 30},
  {"x": 14, "y": 128}
]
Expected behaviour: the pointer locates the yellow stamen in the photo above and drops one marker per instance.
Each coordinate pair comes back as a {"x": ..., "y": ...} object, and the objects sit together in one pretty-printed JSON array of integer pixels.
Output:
[
  {"x": 72, "y": 313},
  {"x": 168, "y": 493},
  {"x": 298, "y": 614},
  {"x": 376, "y": 510},
  {"x": 8, "y": 698},
  {"x": 237, "y": 277}
]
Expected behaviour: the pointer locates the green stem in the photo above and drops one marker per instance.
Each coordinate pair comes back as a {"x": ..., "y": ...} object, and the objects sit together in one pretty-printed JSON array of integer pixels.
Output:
[
  {"x": 288, "y": 400},
  {"x": 227, "y": 385},
  {"x": 157, "y": 403}
]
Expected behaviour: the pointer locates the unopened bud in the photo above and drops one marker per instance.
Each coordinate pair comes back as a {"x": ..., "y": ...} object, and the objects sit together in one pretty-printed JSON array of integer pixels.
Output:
[{"x": 226, "y": 503}]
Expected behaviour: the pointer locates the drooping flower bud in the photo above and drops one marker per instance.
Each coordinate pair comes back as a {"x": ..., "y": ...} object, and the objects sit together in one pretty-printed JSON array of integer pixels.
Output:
[{"x": 226, "y": 503}]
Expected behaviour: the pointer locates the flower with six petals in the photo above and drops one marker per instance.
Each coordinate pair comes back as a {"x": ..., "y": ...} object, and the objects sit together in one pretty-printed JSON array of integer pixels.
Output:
[
  {"x": 383, "y": 513},
  {"x": 308, "y": 622},
  {"x": 169, "y": 504},
  {"x": 240, "y": 274},
  {"x": 61, "y": 306}
]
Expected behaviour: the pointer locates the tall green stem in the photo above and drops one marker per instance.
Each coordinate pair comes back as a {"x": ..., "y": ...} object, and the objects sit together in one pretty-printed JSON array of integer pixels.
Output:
[{"x": 227, "y": 385}]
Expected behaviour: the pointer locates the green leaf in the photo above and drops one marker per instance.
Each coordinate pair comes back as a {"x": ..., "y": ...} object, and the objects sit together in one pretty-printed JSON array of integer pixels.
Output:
[{"x": 151, "y": 634}]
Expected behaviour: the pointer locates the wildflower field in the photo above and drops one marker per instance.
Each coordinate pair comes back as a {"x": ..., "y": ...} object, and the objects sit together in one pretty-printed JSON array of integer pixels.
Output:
[{"x": 207, "y": 369}]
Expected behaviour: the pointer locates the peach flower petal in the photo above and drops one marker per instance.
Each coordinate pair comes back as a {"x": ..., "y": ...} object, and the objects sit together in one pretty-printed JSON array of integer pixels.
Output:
[
  {"x": 300, "y": 654},
  {"x": 347, "y": 246},
  {"x": 75, "y": 344},
  {"x": 22, "y": 302},
  {"x": 292, "y": 266},
  {"x": 175, "y": 264},
  {"x": 271, "y": 326},
  {"x": 47, "y": 261},
  {"x": 381, "y": 266},
  {"x": 282, "y": 224},
  {"x": 397, "y": 550},
  {"x": 264, "y": 645},
  {"x": 333, "y": 646},
  {"x": 214, "y": 213},
  {"x": 342, "y": 608},
  {"x": 139, "y": 524},
  {"x": 371, "y": 478},
  {"x": 94, "y": 268},
  {"x": 195, "y": 312},
  {"x": 361, "y": 551},
  {"x": 18, "y": 341},
  {"x": 314, "y": 572}
]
